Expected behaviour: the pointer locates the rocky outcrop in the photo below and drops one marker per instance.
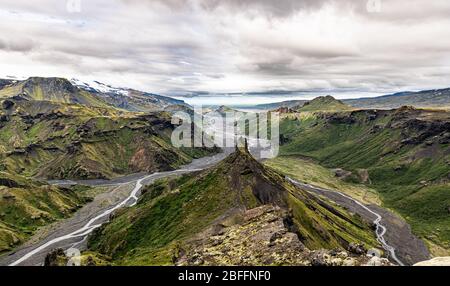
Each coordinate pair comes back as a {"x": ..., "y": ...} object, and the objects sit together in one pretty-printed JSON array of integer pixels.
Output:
[
  {"x": 418, "y": 131},
  {"x": 284, "y": 110},
  {"x": 4, "y": 118},
  {"x": 5, "y": 82},
  {"x": 341, "y": 119},
  {"x": 7, "y": 104},
  {"x": 9, "y": 183},
  {"x": 342, "y": 174},
  {"x": 56, "y": 258},
  {"x": 262, "y": 238}
]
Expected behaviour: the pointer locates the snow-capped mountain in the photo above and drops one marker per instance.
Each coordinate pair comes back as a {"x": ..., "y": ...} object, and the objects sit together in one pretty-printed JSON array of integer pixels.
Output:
[
  {"x": 96, "y": 86},
  {"x": 126, "y": 98},
  {"x": 92, "y": 93}
]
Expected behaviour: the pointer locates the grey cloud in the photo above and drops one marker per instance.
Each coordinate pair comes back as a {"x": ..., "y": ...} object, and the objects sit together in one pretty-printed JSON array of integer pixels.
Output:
[
  {"x": 216, "y": 76},
  {"x": 268, "y": 7},
  {"x": 231, "y": 45},
  {"x": 275, "y": 8},
  {"x": 17, "y": 45},
  {"x": 391, "y": 10}
]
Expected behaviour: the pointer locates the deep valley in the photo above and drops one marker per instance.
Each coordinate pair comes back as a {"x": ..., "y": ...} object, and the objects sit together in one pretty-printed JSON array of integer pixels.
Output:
[{"x": 78, "y": 169}]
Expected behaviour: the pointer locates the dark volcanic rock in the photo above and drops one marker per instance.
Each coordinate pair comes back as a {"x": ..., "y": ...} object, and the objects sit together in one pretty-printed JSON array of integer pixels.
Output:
[
  {"x": 74, "y": 147},
  {"x": 27, "y": 119},
  {"x": 18, "y": 152},
  {"x": 55, "y": 115},
  {"x": 5, "y": 82},
  {"x": 421, "y": 130},
  {"x": 90, "y": 261},
  {"x": 56, "y": 258},
  {"x": 7, "y": 104},
  {"x": 9, "y": 183},
  {"x": 31, "y": 147},
  {"x": 4, "y": 118},
  {"x": 8, "y": 197},
  {"x": 445, "y": 138},
  {"x": 284, "y": 140},
  {"x": 376, "y": 129},
  {"x": 358, "y": 249},
  {"x": 341, "y": 119}
]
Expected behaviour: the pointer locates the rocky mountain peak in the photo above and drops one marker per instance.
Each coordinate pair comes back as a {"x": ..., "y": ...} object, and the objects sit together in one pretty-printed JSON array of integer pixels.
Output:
[{"x": 53, "y": 84}]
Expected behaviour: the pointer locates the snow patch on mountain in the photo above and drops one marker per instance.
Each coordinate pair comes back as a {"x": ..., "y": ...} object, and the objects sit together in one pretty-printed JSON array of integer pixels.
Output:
[{"x": 95, "y": 86}]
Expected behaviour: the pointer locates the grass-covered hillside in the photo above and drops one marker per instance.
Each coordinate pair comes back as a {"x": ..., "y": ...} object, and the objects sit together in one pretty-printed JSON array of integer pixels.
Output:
[
  {"x": 26, "y": 205},
  {"x": 323, "y": 104},
  {"x": 174, "y": 215},
  {"x": 404, "y": 154},
  {"x": 307, "y": 170}
]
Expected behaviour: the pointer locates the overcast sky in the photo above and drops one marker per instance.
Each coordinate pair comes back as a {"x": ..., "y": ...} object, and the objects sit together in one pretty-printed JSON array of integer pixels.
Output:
[{"x": 168, "y": 46}]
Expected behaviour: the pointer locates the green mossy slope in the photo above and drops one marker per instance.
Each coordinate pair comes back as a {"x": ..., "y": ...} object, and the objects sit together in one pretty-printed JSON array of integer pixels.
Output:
[
  {"x": 405, "y": 153},
  {"x": 26, "y": 205},
  {"x": 324, "y": 103},
  {"x": 174, "y": 210}
]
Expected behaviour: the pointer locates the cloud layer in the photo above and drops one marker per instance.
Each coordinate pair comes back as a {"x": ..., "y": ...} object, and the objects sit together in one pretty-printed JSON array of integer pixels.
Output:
[{"x": 178, "y": 46}]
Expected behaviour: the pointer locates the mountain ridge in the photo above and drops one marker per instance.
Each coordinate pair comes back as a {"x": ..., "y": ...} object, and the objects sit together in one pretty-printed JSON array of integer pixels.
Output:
[
  {"x": 434, "y": 98},
  {"x": 323, "y": 104},
  {"x": 218, "y": 197},
  {"x": 61, "y": 90},
  {"x": 58, "y": 90}
]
